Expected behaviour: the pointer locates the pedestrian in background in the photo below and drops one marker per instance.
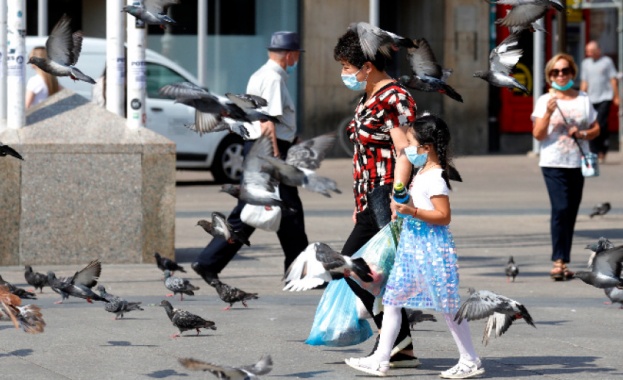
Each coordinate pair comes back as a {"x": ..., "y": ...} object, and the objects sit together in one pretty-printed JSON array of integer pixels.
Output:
[
  {"x": 42, "y": 84},
  {"x": 599, "y": 79},
  {"x": 269, "y": 82},
  {"x": 560, "y": 119}
]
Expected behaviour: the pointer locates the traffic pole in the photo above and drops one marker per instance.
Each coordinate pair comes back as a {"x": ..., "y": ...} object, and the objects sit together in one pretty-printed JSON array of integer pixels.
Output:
[
  {"x": 136, "y": 40},
  {"x": 115, "y": 57},
  {"x": 16, "y": 63}
]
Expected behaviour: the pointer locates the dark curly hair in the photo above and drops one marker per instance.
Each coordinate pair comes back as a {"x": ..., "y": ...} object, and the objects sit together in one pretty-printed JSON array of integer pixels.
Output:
[
  {"x": 348, "y": 49},
  {"x": 430, "y": 129}
]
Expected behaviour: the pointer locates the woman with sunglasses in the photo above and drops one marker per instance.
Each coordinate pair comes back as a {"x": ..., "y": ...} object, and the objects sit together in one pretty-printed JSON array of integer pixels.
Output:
[{"x": 564, "y": 119}]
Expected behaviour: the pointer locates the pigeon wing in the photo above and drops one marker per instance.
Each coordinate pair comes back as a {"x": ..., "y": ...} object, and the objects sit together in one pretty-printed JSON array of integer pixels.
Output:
[
  {"x": 60, "y": 43},
  {"x": 221, "y": 372},
  {"x": 609, "y": 262},
  {"x": 504, "y": 57},
  {"x": 308, "y": 154},
  {"x": 5, "y": 149},
  {"x": 479, "y": 305},
  {"x": 523, "y": 15},
  {"x": 76, "y": 47},
  {"x": 422, "y": 60},
  {"x": 247, "y": 100},
  {"x": 88, "y": 275},
  {"x": 159, "y": 6},
  {"x": 262, "y": 367},
  {"x": 184, "y": 90},
  {"x": 219, "y": 223},
  {"x": 286, "y": 173}
]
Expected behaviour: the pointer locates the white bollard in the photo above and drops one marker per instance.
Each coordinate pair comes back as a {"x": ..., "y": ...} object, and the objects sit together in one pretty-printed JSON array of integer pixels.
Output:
[
  {"x": 3, "y": 52},
  {"x": 136, "y": 40},
  {"x": 16, "y": 63},
  {"x": 115, "y": 57}
]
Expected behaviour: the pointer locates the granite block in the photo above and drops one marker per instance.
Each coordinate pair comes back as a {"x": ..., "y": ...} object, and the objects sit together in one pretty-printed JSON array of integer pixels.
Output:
[{"x": 10, "y": 201}]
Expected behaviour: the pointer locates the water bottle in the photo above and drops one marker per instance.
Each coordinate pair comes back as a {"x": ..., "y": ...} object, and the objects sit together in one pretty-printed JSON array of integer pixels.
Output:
[{"x": 401, "y": 195}]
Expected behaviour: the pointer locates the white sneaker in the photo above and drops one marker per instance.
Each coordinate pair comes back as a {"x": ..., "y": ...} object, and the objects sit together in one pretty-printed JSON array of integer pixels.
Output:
[
  {"x": 463, "y": 370},
  {"x": 369, "y": 365}
]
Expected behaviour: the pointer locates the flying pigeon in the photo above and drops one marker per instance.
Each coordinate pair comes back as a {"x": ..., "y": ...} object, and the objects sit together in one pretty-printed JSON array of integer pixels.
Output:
[
  {"x": 231, "y": 295},
  {"x": 260, "y": 185},
  {"x": 615, "y": 294},
  {"x": 374, "y": 39},
  {"x": 178, "y": 285},
  {"x": 79, "y": 285},
  {"x": 501, "y": 312},
  {"x": 502, "y": 59},
  {"x": 605, "y": 269},
  {"x": 511, "y": 270},
  {"x": 525, "y": 12},
  {"x": 6, "y": 150},
  {"x": 600, "y": 209},
  {"x": 21, "y": 293},
  {"x": 36, "y": 279},
  {"x": 219, "y": 227},
  {"x": 418, "y": 316},
  {"x": 28, "y": 317},
  {"x": 231, "y": 189},
  {"x": 428, "y": 75},
  {"x": 185, "y": 320},
  {"x": 211, "y": 109},
  {"x": 318, "y": 264},
  {"x": 63, "y": 50},
  {"x": 302, "y": 159},
  {"x": 117, "y": 305},
  {"x": 165, "y": 263},
  {"x": 152, "y": 12},
  {"x": 251, "y": 372}
]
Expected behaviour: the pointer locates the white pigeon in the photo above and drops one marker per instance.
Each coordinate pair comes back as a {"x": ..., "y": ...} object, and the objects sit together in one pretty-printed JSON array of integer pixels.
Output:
[
  {"x": 250, "y": 372},
  {"x": 499, "y": 310},
  {"x": 502, "y": 59}
]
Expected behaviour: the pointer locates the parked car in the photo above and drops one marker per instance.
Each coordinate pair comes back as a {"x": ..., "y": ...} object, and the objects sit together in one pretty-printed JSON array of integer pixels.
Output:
[{"x": 219, "y": 152}]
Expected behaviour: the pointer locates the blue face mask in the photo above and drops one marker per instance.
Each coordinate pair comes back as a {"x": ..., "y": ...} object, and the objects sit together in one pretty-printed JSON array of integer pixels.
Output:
[
  {"x": 414, "y": 157},
  {"x": 290, "y": 69},
  {"x": 351, "y": 82},
  {"x": 563, "y": 88}
]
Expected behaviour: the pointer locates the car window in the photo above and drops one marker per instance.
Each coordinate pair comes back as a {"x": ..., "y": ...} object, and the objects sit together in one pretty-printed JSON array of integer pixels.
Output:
[{"x": 158, "y": 76}]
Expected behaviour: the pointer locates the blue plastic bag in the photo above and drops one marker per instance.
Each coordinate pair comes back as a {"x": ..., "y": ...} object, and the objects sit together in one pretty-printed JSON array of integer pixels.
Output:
[{"x": 336, "y": 322}]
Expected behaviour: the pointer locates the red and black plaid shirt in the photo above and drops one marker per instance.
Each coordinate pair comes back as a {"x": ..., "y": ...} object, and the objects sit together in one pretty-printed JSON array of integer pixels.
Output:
[{"x": 374, "y": 157}]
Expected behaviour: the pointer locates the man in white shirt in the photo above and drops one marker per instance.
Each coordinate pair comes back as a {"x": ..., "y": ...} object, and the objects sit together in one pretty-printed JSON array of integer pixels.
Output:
[
  {"x": 599, "y": 79},
  {"x": 269, "y": 82}
]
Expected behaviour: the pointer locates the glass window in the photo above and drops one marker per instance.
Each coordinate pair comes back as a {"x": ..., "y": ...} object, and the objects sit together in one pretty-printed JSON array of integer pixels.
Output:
[{"x": 159, "y": 76}]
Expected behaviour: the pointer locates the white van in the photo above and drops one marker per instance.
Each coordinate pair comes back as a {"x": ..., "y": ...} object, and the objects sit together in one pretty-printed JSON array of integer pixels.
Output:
[{"x": 219, "y": 152}]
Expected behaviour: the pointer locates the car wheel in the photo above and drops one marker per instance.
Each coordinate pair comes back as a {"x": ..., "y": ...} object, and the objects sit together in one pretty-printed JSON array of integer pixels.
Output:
[
  {"x": 227, "y": 164},
  {"x": 345, "y": 144}
]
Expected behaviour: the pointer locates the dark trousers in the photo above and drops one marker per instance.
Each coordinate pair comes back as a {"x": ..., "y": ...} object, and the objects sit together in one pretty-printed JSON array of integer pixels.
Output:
[
  {"x": 364, "y": 230},
  {"x": 564, "y": 187},
  {"x": 601, "y": 143},
  {"x": 291, "y": 233}
]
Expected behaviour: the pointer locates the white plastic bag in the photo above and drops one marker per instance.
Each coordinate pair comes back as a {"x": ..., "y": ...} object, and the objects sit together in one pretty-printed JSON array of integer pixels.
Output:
[{"x": 263, "y": 217}]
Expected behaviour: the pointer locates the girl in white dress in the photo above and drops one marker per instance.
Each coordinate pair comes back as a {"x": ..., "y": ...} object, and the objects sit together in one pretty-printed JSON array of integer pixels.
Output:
[{"x": 425, "y": 272}]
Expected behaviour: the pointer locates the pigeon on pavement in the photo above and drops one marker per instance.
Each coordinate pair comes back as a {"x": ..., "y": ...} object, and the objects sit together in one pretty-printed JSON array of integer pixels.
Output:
[
  {"x": 219, "y": 227},
  {"x": 165, "y": 263},
  {"x": 251, "y": 372},
  {"x": 21, "y": 293},
  {"x": 502, "y": 59},
  {"x": 605, "y": 269},
  {"x": 511, "y": 270},
  {"x": 600, "y": 209},
  {"x": 6, "y": 150},
  {"x": 63, "y": 50},
  {"x": 79, "y": 285},
  {"x": 36, "y": 279},
  {"x": 117, "y": 305},
  {"x": 152, "y": 12},
  {"x": 418, "y": 316},
  {"x": 28, "y": 317},
  {"x": 185, "y": 320},
  {"x": 374, "y": 39},
  {"x": 231, "y": 295},
  {"x": 178, "y": 285},
  {"x": 501, "y": 312},
  {"x": 428, "y": 75},
  {"x": 318, "y": 264},
  {"x": 525, "y": 12},
  {"x": 615, "y": 294}
]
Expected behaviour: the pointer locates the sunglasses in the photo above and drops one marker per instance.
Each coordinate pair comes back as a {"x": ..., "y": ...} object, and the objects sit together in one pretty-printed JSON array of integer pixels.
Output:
[{"x": 565, "y": 71}]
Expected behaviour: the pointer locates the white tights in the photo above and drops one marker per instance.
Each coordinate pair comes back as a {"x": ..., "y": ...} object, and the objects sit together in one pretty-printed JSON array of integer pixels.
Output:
[{"x": 391, "y": 326}]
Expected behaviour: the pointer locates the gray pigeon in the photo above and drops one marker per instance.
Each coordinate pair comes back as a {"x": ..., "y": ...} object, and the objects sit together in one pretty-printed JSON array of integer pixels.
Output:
[
  {"x": 511, "y": 270},
  {"x": 164, "y": 263},
  {"x": 605, "y": 268},
  {"x": 185, "y": 320},
  {"x": 35, "y": 279},
  {"x": 525, "y": 12},
  {"x": 418, "y": 316},
  {"x": 230, "y": 294},
  {"x": 6, "y": 150},
  {"x": 63, "y": 48},
  {"x": 21, "y": 293},
  {"x": 117, "y": 305},
  {"x": 600, "y": 245},
  {"x": 260, "y": 185},
  {"x": 428, "y": 75},
  {"x": 211, "y": 109},
  {"x": 600, "y": 209},
  {"x": 219, "y": 227},
  {"x": 500, "y": 312},
  {"x": 615, "y": 294},
  {"x": 502, "y": 59},
  {"x": 374, "y": 39},
  {"x": 231, "y": 189},
  {"x": 251, "y": 372},
  {"x": 79, "y": 285},
  {"x": 178, "y": 285},
  {"x": 152, "y": 12}
]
